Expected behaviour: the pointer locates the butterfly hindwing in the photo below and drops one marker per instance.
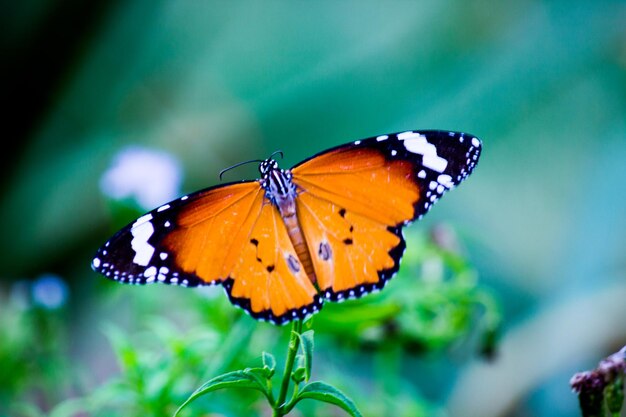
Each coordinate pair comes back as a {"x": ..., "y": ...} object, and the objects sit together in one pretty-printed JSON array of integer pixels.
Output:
[
  {"x": 354, "y": 200},
  {"x": 351, "y": 253},
  {"x": 268, "y": 280}
]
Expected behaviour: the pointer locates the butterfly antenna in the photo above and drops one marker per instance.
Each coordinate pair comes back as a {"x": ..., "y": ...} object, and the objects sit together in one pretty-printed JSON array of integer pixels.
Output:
[
  {"x": 275, "y": 153},
  {"x": 237, "y": 165}
]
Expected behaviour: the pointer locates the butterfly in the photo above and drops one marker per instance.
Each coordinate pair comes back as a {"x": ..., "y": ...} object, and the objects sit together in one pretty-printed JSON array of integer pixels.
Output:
[{"x": 330, "y": 228}]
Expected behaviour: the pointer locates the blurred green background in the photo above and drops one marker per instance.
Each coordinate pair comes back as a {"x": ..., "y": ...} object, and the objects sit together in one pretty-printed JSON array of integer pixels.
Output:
[{"x": 541, "y": 223}]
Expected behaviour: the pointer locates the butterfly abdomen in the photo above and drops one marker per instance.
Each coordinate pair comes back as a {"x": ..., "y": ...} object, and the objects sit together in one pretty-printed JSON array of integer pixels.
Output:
[
  {"x": 297, "y": 239},
  {"x": 281, "y": 192}
]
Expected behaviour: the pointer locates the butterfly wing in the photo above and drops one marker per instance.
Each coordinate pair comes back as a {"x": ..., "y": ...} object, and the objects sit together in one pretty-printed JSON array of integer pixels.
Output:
[
  {"x": 353, "y": 201},
  {"x": 228, "y": 234},
  {"x": 268, "y": 280}
]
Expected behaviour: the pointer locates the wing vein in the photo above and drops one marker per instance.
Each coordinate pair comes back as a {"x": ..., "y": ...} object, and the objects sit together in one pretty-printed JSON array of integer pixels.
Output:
[
  {"x": 232, "y": 241},
  {"x": 226, "y": 207}
]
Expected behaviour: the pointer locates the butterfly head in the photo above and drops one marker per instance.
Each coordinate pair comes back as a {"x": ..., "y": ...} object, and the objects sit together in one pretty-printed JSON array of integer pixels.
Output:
[
  {"x": 266, "y": 166},
  {"x": 276, "y": 182}
]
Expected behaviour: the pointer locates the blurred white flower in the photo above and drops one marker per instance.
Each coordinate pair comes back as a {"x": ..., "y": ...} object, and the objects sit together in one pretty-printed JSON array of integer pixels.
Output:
[
  {"x": 49, "y": 291},
  {"x": 150, "y": 177}
]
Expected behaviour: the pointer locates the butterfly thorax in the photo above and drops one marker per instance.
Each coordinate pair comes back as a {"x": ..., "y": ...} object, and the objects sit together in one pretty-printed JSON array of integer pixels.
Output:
[
  {"x": 281, "y": 192},
  {"x": 277, "y": 183}
]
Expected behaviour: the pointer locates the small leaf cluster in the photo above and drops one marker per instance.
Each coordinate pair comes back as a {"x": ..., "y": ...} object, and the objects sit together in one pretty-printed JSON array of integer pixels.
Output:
[{"x": 261, "y": 379}]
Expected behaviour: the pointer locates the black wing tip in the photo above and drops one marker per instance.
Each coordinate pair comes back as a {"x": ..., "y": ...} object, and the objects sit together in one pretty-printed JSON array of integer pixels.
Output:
[
  {"x": 155, "y": 273},
  {"x": 301, "y": 313},
  {"x": 447, "y": 159}
]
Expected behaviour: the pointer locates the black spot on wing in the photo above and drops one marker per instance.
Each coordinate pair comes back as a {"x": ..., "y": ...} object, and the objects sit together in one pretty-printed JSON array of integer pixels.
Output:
[
  {"x": 324, "y": 251},
  {"x": 383, "y": 275},
  {"x": 293, "y": 264}
]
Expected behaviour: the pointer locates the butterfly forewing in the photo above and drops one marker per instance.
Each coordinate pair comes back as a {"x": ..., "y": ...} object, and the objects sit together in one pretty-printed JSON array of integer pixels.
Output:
[
  {"x": 363, "y": 179},
  {"x": 182, "y": 242}
]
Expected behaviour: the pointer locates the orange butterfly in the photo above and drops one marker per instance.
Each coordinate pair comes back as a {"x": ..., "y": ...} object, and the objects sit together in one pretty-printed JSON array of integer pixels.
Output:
[{"x": 330, "y": 228}]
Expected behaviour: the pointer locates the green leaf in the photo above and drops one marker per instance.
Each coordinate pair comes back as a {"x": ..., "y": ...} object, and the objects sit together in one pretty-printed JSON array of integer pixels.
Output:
[
  {"x": 321, "y": 391},
  {"x": 248, "y": 378},
  {"x": 269, "y": 362},
  {"x": 298, "y": 375},
  {"x": 262, "y": 375},
  {"x": 306, "y": 340}
]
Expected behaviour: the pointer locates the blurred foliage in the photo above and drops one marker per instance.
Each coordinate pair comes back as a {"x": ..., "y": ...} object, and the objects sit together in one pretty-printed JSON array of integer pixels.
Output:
[
  {"x": 437, "y": 303},
  {"x": 543, "y": 83}
]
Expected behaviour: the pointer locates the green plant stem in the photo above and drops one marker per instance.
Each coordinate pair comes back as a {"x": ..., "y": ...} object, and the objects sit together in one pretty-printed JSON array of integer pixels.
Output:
[{"x": 294, "y": 342}]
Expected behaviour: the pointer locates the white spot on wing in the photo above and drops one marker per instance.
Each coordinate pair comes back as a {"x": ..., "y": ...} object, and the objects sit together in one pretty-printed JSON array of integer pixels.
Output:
[
  {"x": 141, "y": 231},
  {"x": 416, "y": 143},
  {"x": 96, "y": 262},
  {"x": 143, "y": 219},
  {"x": 408, "y": 135},
  {"x": 421, "y": 174},
  {"x": 475, "y": 142},
  {"x": 445, "y": 180},
  {"x": 381, "y": 138},
  {"x": 163, "y": 207}
]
